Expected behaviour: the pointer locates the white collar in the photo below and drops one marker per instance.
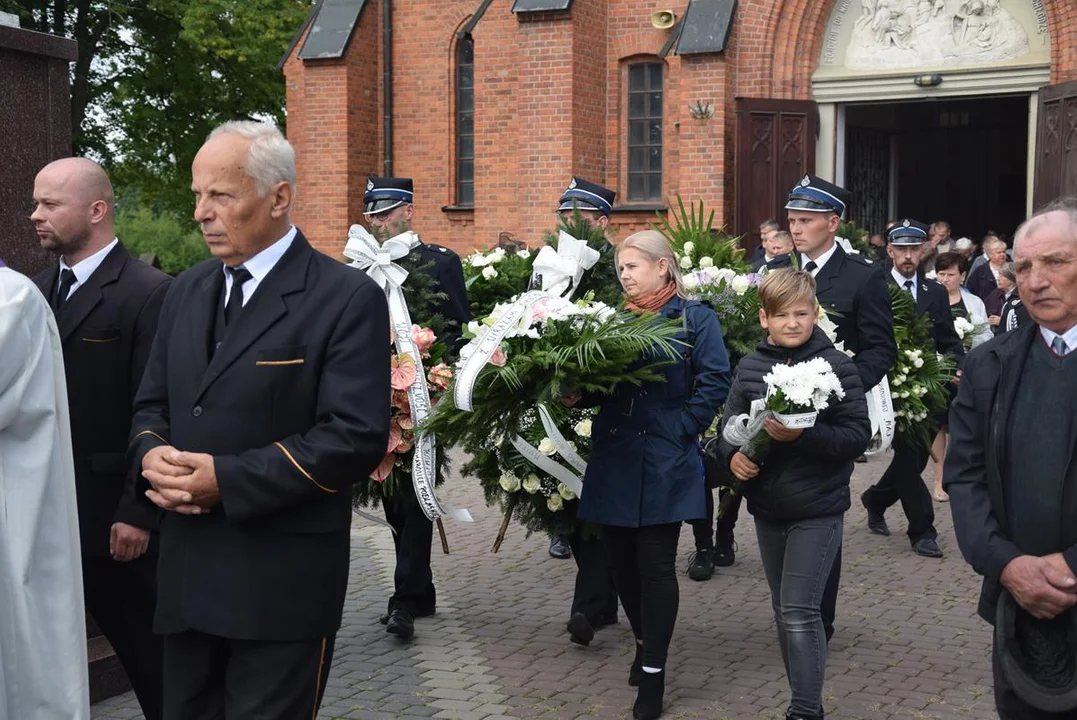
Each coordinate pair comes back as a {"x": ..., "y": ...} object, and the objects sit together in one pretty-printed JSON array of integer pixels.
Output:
[
  {"x": 84, "y": 268},
  {"x": 901, "y": 279},
  {"x": 1070, "y": 337},
  {"x": 260, "y": 265},
  {"x": 821, "y": 260}
]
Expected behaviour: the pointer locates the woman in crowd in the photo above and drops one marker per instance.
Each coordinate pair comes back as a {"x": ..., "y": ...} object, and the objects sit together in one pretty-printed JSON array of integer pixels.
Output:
[
  {"x": 950, "y": 269},
  {"x": 1007, "y": 287},
  {"x": 1014, "y": 314},
  {"x": 983, "y": 280},
  {"x": 645, "y": 474}
]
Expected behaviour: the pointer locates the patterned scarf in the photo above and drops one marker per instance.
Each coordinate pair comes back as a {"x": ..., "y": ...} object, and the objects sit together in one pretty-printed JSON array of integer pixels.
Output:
[{"x": 654, "y": 301}]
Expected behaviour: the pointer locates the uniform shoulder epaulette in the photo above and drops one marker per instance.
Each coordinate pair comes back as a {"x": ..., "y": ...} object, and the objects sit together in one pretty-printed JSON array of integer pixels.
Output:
[
  {"x": 858, "y": 258},
  {"x": 432, "y": 247}
]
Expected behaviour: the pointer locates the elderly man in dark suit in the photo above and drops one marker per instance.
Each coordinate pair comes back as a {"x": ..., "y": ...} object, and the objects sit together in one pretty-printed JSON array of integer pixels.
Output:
[
  {"x": 1012, "y": 481},
  {"x": 106, "y": 304},
  {"x": 851, "y": 287},
  {"x": 265, "y": 396},
  {"x": 902, "y": 480}
]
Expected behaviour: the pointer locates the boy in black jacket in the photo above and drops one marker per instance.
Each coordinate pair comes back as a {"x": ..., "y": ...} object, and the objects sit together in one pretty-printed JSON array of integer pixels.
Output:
[{"x": 800, "y": 492}]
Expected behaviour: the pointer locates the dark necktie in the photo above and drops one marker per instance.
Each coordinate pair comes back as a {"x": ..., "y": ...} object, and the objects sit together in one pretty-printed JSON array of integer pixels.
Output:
[
  {"x": 232, "y": 308},
  {"x": 908, "y": 286},
  {"x": 1059, "y": 346},
  {"x": 810, "y": 267},
  {"x": 67, "y": 279}
]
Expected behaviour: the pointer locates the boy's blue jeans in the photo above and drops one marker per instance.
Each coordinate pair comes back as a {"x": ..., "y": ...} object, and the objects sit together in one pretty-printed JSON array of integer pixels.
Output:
[{"x": 797, "y": 559}]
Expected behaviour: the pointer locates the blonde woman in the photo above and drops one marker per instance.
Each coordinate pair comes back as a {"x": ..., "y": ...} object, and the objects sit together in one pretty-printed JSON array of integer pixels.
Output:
[{"x": 645, "y": 473}]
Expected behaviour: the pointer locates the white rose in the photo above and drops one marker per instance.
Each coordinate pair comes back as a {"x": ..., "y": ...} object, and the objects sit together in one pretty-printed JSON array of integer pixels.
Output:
[
  {"x": 740, "y": 284},
  {"x": 897, "y": 381},
  {"x": 583, "y": 428},
  {"x": 918, "y": 363},
  {"x": 531, "y": 484},
  {"x": 547, "y": 448},
  {"x": 524, "y": 254},
  {"x": 689, "y": 247},
  {"x": 489, "y": 272},
  {"x": 510, "y": 483},
  {"x": 691, "y": 282},
  {"x": 566, "y": 492},
  {"x": 686, "y": 263},
  {"x": 496, "y": 256},
  {"x": 706, "y": 261},
  {"x": 555, "y": 502}
]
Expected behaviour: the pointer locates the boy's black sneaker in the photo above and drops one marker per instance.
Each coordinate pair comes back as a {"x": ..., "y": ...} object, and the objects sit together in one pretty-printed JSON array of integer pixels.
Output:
[
  {"x": 725, "y": 552},
  {"x": 701, "y": 565}
]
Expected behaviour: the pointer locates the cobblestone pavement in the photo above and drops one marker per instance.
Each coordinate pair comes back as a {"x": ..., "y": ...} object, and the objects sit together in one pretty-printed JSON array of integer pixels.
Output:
[{"x": 908, "y": 643}]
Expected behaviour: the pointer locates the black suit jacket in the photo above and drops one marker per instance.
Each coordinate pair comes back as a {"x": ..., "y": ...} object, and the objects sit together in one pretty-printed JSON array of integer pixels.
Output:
[
  {"x": 982, "y": 284},
  {"x": 448, "y": 273},
  {"x": 932, "y": 299},
  {"x": 106, "y": 328},
  {"x": 776, "y": 263},
  {"x": 855, "y": 291},
  {"x": 294, "y": 407}
]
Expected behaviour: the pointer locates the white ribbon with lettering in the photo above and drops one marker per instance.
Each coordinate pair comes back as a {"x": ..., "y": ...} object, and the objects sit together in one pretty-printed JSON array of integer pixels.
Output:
[
  {"x": 881, "y": 415},
  {"x": 559, "y": 442},
  {"x": 377, "y": 261},
  {"x": 548, "y": 465},
  {"x": 740, "y": 429},
  {"x": 562, "y": 269}
]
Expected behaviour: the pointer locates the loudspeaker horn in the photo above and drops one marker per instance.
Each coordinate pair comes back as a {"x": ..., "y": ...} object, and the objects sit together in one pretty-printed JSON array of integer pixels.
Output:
[{"x": 663, "y": 19}]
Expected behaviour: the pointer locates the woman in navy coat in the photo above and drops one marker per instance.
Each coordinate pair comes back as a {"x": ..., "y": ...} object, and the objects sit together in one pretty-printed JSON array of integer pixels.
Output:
[{"x": 645, "y": 473}]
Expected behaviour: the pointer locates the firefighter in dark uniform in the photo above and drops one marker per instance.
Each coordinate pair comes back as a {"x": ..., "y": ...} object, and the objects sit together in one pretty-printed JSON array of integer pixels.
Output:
[
  {"x": 389, "y": 210},
  {"x": 902, "y": 482},
  {"x": 594, "y": 602},
  {"x": 853, "y": 291}
]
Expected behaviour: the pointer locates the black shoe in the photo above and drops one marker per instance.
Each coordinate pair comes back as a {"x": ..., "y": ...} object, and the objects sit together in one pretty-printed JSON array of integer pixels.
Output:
[
  {"x": 927, "y": 547},
  {"x": 876, "y": 521},
  {"x": 652, "y": 686},
  {"x": 401, "y": 624},
  {"x": 580, "y": 630},
  {"x": 605, "y": 621},
  {"x": 725, "y": 552},
  {"x": 701, "y": 565},
  {"x": 790, "y": 715},
  {"x": 636, "y": 669},
  {"x": 559, "y": 548},
  {"x": 383, "y": 619}
]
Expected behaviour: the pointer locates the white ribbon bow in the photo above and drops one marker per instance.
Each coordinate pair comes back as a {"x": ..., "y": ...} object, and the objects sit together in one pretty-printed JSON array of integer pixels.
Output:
[
  {"x": 377, "y": 260},
  {"x": 562, "y": 269}
]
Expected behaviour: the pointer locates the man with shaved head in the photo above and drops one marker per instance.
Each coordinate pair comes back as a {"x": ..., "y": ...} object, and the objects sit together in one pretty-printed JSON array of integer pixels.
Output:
[
  {"x": 106, "y": 304},
  {"x": 1012, "y": 480}
]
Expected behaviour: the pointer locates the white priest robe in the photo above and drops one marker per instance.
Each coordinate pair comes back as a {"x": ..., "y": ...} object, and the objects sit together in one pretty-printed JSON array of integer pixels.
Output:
[{"x": 43, "y": 672}]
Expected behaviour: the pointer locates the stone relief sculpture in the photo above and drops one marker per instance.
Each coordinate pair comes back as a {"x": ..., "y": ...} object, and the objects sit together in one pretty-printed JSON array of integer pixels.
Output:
[{"x": 895, "y": 34}]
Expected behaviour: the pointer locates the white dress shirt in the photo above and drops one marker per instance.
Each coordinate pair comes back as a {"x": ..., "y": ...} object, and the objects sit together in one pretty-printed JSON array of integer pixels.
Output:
[
  {"x": 819, "y": 261},
  {"x": 259, "y": 266},
  {"x": 84, "y": 268},
  {"x": 1069, "y": 337},
  {"x": 901, "y": 280}
]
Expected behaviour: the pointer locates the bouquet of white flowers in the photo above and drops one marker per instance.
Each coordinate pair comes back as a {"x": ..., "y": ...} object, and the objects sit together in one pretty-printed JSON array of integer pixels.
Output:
[
  {"x": 968, "y": 331},
  {"x": 796, "y": 394}
]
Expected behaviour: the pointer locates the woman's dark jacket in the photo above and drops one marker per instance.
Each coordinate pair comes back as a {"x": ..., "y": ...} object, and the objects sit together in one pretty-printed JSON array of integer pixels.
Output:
[
  {"x": 645, "y": 466},
  {"x": 808, "y": 477},
  {"x": 982, "y": 284}
]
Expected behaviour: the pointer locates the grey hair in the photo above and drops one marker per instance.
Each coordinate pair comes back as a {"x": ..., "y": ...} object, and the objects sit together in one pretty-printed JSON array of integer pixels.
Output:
[
  {"x": 655, "y": 246},
  {"x": 964, "y": 244},
  {"x": 270, "y": 159},
  {"x": 993, "y": 241},
  {"x": 1008, "y": 272},
  {"x": 1065, "y": 205}
]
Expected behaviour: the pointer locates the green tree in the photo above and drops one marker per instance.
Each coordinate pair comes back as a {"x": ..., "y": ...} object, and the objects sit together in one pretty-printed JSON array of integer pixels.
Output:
[{"x": 154, "y": 76}]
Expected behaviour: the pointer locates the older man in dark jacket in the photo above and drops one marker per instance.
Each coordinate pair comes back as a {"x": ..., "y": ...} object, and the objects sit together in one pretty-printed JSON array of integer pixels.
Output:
[{"x": 1010, "y": 475}]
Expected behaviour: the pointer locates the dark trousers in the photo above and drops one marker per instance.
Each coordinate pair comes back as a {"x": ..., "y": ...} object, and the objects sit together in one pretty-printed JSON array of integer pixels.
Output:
[
  {"x": 902, "y": 482},
  {"x": 797, "y": 557},
  {"x": 122, "y": 598},
  {"x": 829, "y": 607},
  {"x": 595, "y": 595},
  {"x": 414, "y": 581},
  {"x": 644, "y": 562},
  {"x": 1011, "y": 707},
  {"x": 212, "y": 678}
]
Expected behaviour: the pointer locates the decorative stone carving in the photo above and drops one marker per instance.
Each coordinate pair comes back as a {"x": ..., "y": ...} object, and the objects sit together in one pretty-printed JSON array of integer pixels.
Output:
[{"x": 898, "y": 34}]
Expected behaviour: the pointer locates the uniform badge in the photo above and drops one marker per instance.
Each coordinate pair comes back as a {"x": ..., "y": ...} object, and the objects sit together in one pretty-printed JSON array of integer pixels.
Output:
[
  {"x": 805, "y": 182},
  {"x": 572, "y": 185},
  {"x": 906, "y": 223},
  {"x": 369, "y": 185}
]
